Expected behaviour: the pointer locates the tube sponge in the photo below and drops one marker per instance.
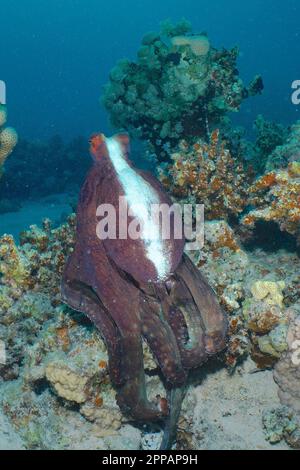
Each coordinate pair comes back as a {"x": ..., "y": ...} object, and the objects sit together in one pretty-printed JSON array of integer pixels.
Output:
[{"x": 8, "y": 137}]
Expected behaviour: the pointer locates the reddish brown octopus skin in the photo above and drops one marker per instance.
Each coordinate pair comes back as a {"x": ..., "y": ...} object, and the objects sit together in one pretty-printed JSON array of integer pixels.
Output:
[{"x": 179, "y": 318}]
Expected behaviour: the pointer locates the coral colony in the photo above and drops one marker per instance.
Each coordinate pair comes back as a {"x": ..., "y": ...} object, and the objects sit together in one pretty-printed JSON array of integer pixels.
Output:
[
  {"x": 99, "y": 335},
  {"x": 8, "y": 138},
  {"x": 179, "y": 86}
]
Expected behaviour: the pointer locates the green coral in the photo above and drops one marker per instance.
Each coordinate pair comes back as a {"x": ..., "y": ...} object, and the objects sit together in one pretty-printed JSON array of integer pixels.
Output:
[
  {"x": 275, "y": 342},
  {"x": 179, "y": 86}
]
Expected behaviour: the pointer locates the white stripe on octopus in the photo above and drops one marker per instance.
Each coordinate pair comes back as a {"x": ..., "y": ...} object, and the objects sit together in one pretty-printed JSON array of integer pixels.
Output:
[{"x": 139, "y": 193}]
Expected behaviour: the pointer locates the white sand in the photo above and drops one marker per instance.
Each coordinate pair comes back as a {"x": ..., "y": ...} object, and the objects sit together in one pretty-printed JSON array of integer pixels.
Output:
[{"x": 227, "y": 410}]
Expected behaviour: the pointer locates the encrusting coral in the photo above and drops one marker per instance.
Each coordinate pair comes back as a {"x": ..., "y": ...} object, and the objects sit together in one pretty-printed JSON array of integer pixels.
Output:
[
  {"x": 179, "y": 87},
  {"x": 207, "y": 174},
  {"x": 8, "y": 138}
]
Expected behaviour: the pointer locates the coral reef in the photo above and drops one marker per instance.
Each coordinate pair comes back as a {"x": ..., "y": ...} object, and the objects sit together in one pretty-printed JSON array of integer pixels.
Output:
[
  {"x": 179, "y": 87},
  {"x": 30, "y": 286},
  {"x": 41, "y": 335},
  {"x": 254, "y": 291},
  {"x": 8, "y": 138},
  {"x": 276, "y": 198},
  {"x": 65, "y": 386},
  {"x": 207, "y": 174},
  {"x": 266, "y": 320}
]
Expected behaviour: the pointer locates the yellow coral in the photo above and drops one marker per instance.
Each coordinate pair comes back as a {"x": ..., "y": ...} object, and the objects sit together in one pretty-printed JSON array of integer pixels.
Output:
[
  {"x": 270, "y": 292},
  {"x": 294, "y": 169},
  {"x": 199, "y": 44},
  {"x": 67, "y": 383},
  {"x": 3, "y": 115},
  {"x": 8, "y": 137}
]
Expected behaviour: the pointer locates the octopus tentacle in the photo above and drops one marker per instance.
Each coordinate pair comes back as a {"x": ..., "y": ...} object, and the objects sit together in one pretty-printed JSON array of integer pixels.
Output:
[
  {"x": 79, "y": 299},
  {"x": 185, "y": 320},
  {"x": 175, "y": 399},
  {"x": 132, "y": 396},
  {"x": 162, "y": 342},
  {"x": 212, "y": 316}
]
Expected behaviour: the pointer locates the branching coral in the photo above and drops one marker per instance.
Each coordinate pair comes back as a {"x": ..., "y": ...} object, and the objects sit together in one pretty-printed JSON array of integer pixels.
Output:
[
  {"x": 178, "y": 86},
  {"x": 276, "y": 198},
  {"x": 8, "y": 137},
  {"x": 207, "y": 174}
]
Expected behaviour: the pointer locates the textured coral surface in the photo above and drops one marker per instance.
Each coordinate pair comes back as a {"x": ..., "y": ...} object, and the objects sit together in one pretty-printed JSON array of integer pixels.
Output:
[
  {"x": 276, "y": 198},
  {"x": 8, "y": 138},
  {"x": 206, "y": 173},
  {"x": 55, "y": 380}
]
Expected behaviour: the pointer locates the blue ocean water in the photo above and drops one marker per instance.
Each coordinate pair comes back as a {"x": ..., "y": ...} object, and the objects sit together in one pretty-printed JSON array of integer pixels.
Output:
[{"x": 56, "y": 55}]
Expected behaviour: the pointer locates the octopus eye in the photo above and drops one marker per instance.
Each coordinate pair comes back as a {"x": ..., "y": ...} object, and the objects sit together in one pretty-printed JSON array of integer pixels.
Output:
[{"x": 95, "y": 141}]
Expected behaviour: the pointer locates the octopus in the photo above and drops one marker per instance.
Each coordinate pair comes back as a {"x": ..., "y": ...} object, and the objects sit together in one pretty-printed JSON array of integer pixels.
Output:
[{"x": 139, "y": 289}]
